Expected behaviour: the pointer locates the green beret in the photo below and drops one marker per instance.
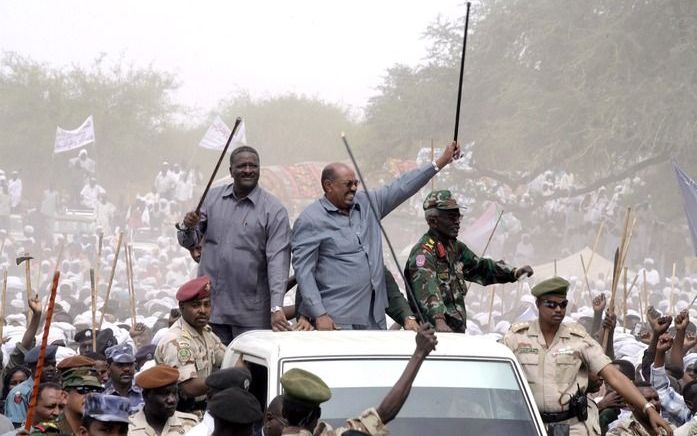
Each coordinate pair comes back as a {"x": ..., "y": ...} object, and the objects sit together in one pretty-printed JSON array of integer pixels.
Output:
[
  {"x": 441, "y": 200},
  {"x": 305, "y": 387},
  {"x": 81, "y": 376},
  {"x": 555, "y": 285}
]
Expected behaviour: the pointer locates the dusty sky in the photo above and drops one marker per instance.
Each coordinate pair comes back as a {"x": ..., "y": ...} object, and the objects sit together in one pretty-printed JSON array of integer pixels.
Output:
[{"x": 334, "y": 50}]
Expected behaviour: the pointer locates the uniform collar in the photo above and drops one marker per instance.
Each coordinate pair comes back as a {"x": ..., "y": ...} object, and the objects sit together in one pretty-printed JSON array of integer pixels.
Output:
[
  {"x": 190, "y": 329},
  {"x": 253, "y": 196}
]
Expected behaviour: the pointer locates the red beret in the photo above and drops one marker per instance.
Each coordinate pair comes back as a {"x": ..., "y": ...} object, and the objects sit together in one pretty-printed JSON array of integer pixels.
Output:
[
  {"x": 74, "y": 362},
  {"x": 157, "y": 377},
  {"x": 200, "y": 287}
]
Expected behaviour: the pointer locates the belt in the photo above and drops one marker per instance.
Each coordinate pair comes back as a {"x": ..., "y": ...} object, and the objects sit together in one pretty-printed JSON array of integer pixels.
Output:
[{"x": 548, "y": 418}]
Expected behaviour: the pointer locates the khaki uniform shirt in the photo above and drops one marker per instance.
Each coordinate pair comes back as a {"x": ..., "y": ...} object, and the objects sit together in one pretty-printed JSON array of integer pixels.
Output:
[
  {"x": 194, "y": 354},
  {"x": 368, "y": 422},
  {"x": 555, "y": 373},
  {"x": 176, "y": 425},
  {"x": 629, "y": 427}
]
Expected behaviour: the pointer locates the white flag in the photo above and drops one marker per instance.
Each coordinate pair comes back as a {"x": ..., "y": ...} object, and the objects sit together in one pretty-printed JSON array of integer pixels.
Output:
[
  {"x": 71, "y": 139},
  {"x": 218, "y": 133}
]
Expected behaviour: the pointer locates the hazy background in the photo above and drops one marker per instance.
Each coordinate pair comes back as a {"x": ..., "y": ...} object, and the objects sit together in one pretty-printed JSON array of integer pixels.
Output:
[{"x": 600, "y": 93}]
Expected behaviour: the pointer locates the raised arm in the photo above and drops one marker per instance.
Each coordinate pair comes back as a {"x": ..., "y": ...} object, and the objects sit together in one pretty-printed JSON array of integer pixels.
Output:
[
  {"x": 390, "y": 406},
  {"x": 676, "y": 356}
]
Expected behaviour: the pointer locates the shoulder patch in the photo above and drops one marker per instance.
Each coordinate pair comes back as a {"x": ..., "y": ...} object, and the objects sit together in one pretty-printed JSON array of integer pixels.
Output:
[
  {"x": 576, "y": 329},
  {"x": 184, "y": 355},
  {"x": 420, "y": 260},
  {"x": 520, "y": 326}
]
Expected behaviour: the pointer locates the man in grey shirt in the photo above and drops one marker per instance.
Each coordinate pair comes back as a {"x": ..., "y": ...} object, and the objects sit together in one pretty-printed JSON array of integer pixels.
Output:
[
  {"x": 246, "y": 252},
  {"x": 337, "y": 246}
]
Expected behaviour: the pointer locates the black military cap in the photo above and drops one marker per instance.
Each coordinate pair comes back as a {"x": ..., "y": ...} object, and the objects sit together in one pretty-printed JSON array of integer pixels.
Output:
[
  {"x": 32, "y": 356},
  {"x": 246, "y": 410},
  {"x": 230, "y": 377},
  {"x": 84, "y": 335},
  {"x": 146, "y": 352}
]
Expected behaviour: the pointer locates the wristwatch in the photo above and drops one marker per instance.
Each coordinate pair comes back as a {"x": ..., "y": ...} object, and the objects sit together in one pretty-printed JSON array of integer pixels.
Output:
[{"x": 276, "y": 309}]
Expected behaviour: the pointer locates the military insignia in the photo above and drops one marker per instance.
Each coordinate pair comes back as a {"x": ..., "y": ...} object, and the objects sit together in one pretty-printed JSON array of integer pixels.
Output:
[
  {"x": 420, "y": 260},
  {"x": 184, "y": 355},
  {"x": 88, "y": 333},
  {"x": 444, "y": 276},
  {"x": 18, "y": 398},
  {"x": 526, "y": 348}
]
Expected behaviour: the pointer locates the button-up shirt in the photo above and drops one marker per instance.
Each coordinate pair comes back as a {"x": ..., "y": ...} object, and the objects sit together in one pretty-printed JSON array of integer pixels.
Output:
[
  {"x": 337, "y": 258},
  {"x": 177, "y": 424},
  {"x": 135, "y": 396},
  {"x": 17, "y": 401},
  {"x": 246, "y": 254},
  {"x": 672, "y": 403}
]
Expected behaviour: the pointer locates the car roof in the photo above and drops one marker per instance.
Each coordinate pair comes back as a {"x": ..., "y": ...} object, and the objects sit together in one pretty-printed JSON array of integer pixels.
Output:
[{"x": 270, "y": 345}]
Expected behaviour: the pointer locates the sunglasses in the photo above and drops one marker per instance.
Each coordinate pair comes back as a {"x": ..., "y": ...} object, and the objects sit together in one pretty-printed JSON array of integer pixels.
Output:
[
  {"x": 349, "y": 183},
  {"x": 84, "y": 390},
  {"x": 554, "y": 304}
]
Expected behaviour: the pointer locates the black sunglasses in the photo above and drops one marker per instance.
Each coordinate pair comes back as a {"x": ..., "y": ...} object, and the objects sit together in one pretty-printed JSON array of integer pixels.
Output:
[
  {"x": 84, "y": 390},
  {"x": 553, "y": 304}
]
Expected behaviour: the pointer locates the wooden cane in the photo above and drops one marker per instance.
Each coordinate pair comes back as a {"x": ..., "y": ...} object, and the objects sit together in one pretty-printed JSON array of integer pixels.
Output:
[
  {"x": 93, "y": 292},
  {"x": 646, "y": 295},
  {"x": 585, "y": 276},
  {"x": 220, "y": 159},
  {"x": 111, "y": 279},
  {"x": 462, "y": 71},
  {"x": 4, "y": 304},
  {"x": 624, "y": 318},
  {"x": 491, "y": 235},
  {"x": 672, "y": 289},
  {"x": 42, "y": 352}
]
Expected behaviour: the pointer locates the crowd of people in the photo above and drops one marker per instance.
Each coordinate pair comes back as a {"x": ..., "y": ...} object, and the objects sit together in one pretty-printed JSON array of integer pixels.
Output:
[{"x": 240, "y": 263}]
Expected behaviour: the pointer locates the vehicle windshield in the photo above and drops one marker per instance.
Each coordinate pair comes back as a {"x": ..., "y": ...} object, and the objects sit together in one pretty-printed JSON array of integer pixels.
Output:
[{"x": 449, "y": 397}]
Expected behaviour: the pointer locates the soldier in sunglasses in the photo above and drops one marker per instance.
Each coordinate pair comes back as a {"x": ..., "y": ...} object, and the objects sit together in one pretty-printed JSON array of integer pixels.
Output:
[{"x": 557, "y": 359}]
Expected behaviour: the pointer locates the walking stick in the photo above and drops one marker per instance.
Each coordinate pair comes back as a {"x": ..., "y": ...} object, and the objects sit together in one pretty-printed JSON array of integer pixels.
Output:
[
  {"x": 94, "y": 309},
  {"x": 462, "y": 71},
  {"x": 111, "y": 279},
  {"x": 42, "y": 352}
]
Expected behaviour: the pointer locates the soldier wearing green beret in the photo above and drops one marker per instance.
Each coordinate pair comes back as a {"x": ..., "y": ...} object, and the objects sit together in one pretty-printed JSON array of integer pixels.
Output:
[
  {"x": 77, "y": 383},
  {"x": 439, "y": 265},
  {"x": 558, "y": 358},
  {"x": 304, "y": 392}
]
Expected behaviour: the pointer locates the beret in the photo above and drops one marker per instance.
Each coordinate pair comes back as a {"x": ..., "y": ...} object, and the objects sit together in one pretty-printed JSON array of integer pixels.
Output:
[
  {"x": 74, "y": 362},
  {"x": 229, "y": 377},
  {"x": 200, "y": 287},
  {"x": 32, "y": 355},
  {"x": 246, "y": 408},
  {"x": 305, "y": 387},
  {"x": 555, "y": 285},
  {"x": 158, "y": 376},
  {"x": 107, "y": 408}
]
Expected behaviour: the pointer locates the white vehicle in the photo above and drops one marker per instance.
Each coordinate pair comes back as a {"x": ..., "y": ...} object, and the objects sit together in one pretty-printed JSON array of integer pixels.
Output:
[{"x": 468, "y": 386}]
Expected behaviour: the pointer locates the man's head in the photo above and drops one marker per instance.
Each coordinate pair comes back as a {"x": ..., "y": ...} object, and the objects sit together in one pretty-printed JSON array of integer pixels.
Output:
[
  {"x": 195, "y": 302},
  {"x": 273, "y": 417},
  {"x": 551, "y": 300},
  {"x": 442, "y": 214},
  {"x": 160, "y": 391},
  {"x": 79, "y": 382},
  {"x": 84, "y": 340},
  {"x": 340, "y": 185},
  {"x": 649, "y": 393},
  {"x": 105, "y": 415},
  {"x": 227, "y": 378},
  {"x": 49, "y": 404},
  {"x": 122, "y": 364},
  {"x": 100, "y": 364},
  {"x": 304, "y": 392},
  {"x": 244, "y": 168},
  {"x": 689, "y": 394},
  {"x": 238, "y": 420},
  {"x": 144, "y": 354},
  {"x": 32, "y": 357}
]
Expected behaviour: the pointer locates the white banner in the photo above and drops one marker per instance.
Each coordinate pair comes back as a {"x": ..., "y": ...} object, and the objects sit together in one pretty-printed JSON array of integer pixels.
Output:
[
  {"x": 71, "y": 139},
  {"x": 217, "y": 134}
]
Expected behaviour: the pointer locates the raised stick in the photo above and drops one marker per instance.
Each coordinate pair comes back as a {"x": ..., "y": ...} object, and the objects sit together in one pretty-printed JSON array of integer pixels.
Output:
[
  {"x": 217, "y": 165},
  {"x": 4, "y": 303},
  {"x": 433, "y": 157},
  {"x": 585, "y": 276},
  {"x": 462, "y": 72},
  {"x": 646, "y": 296},
  {"x": 491, "y": 235},
  {"x": 111, "y": 279},
  {"x": 672, "y": 289},
  {"x": 595, "y": 244},
  {"x": 624, "y": 318},
  {"x": 491, "y": 305},
  {"x": 42, "y": 352},
  {"x": 131, "y": 289},
  {"x": 94, "y": 309}
]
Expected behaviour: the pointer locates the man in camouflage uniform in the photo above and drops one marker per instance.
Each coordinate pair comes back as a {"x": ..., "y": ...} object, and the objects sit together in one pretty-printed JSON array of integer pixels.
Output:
[
  {"x": 190, "y": 346},
  {"x": 439, "y": 265},
  {"x": 304, "y": 392}
]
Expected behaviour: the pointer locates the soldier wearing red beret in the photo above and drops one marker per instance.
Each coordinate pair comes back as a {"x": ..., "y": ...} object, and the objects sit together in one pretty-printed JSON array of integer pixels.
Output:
[{"x": 190, "y": 346}]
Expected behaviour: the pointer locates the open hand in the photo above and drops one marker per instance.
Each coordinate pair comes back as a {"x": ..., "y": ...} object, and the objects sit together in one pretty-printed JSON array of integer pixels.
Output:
[
  {"x": 599, "y": 303},
  {"x": 279, "y": 323}
]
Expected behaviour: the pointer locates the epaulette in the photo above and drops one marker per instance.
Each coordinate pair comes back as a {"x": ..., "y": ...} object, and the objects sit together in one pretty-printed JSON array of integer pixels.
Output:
[
  {"x": 520, "y": 326},
  {"x": 428, "y": 245},
  {"x": 576, "y": 329},
  {"x": 187, "y": 416}
]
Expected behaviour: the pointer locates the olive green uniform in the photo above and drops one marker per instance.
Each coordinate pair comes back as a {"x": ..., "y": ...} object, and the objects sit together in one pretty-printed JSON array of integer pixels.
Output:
[
  {"x": 437, "y": 272},
  {"x": 368, "y": 422}
]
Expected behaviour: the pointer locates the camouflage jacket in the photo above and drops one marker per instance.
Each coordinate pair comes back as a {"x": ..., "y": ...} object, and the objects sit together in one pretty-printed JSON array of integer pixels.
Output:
[{"x": 438, "y": 277}]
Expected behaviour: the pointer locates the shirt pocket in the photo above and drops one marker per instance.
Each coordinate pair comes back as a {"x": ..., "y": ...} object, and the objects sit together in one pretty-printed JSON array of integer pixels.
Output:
[
  {"x": 567, "y": 366},
  {"x": 531, "y": 366},
  {"x": 343, "y": 242}
]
